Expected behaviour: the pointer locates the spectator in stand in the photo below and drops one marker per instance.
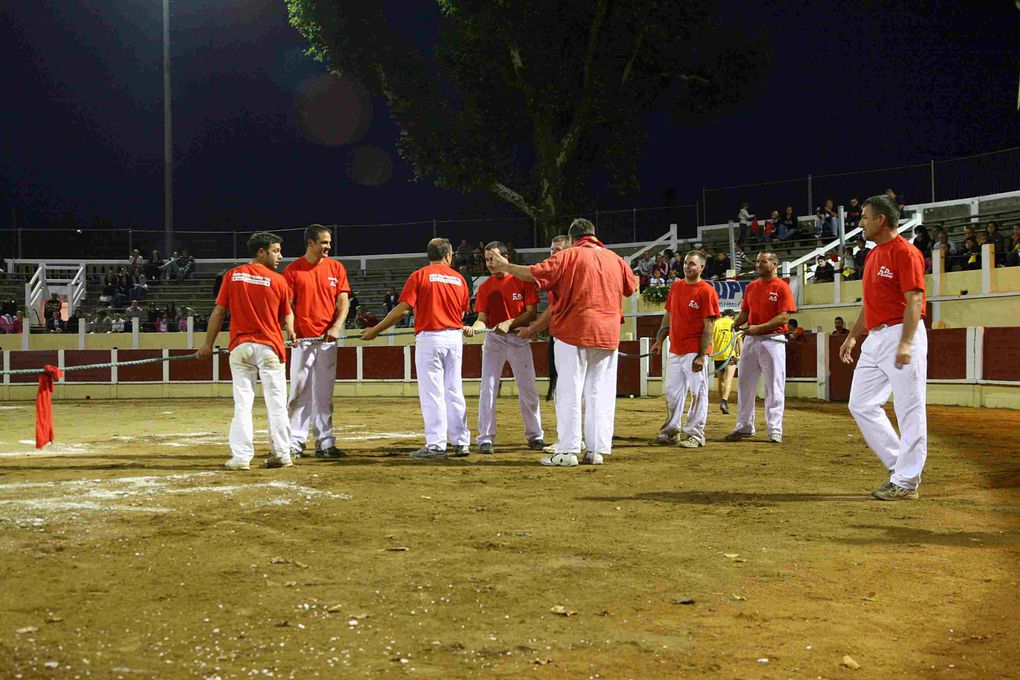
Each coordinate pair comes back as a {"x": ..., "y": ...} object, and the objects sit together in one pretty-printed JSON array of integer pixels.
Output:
[
  {"x": 6, "y": 324},
  {"x": 109, "y": 289},
  {"x": 185, "y": 265},
  {"x": 366, "y": 319},
  {"x": 771, "y": 226},
  {"x": 896, "y": 200},
  {"x": 353, "y": 303},
  {"x": 19, "y": 322},
  {"x": 134, "y": 311},
  {"x": 151, "y": 317},
  {"x": 1013, "y": 252},
  {"x": 162, "y": 323},
  {"x": 390, "y": 301},
  {"x": 825, "y": 220},
  {"x": 511, "y": 254},
  {"x": 676, "y": 266},
  {"x": 824, "y": 272},
  {"x": 465, "y": 254},
  {"x": 852, "y": 217},
  {"x": 948, "y": 249},
  {"x": 52, "y": 305},
  {"x": 154, "y": 267},
  {"x": 997, "y": 240},
  {"x": 794, "y": 331},
  {"x": 971, "y": 256},
  {"x": 478, "y": 265},
  {"x": 860, "y": 252},
  {"x": 181, "y": 322},
  {"x": 54, "y": 324},
  {"x": 660, "y": 272},
  {"x": 719, "y": 265},
  {"x": 922, "y": 241},
  {"x": 644, "y": 268},
  {"x": 135, "y": 262},
  {"x": 103, "y": 322},
  {"x": 171, "y": 312},
  {"x": 744, "y": 218},
  {"x": 72, "y": 323},
  {"x": 787, "y": 226},
  {"x": 840, "y": 328},
  {"x": 117, "y": 325},
  {"x": 139, "y": 288}
]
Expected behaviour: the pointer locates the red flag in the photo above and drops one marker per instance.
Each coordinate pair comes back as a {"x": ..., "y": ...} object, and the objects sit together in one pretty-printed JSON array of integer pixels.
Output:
[{"x": 44, "y": 406}]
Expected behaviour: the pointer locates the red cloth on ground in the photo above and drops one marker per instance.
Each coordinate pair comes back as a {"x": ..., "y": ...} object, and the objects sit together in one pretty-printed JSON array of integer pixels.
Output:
[{"x": 44, "y": 406}]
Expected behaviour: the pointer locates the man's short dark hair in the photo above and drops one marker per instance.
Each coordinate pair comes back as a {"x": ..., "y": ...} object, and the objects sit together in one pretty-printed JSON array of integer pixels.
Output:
[
  {"x": 838, "y": 318},
  {"x": 581, "y": 227},
  {"x": 498, "y": 246},
  {"x": 439, "y": 248},
  {"x": 729, "y": 312},
  {"x": 261, "y": 240},
  {"x": 881, "y": 205},
  {"x": 697, "y": 253},
  {"x": 313, "y": 231},
  {"x": 794, "y": 322}
]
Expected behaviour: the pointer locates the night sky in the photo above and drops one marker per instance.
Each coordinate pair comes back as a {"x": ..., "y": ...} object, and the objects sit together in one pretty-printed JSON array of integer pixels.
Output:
[{"x": 850, "y": 86}]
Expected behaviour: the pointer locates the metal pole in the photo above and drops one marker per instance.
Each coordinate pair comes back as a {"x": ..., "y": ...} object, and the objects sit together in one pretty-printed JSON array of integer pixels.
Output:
[
  {"x": 634, "y": 223},
  {"x": 131, "y": 241},
  {"x": 810, "y": 202},
  {"x": 168, "y": 152},
  {"x": 17, "y": 228},
  {"x": 932, "y": 171},
  {"x": 435, "y": 228},
  {"x": 704, "y": 208},
  {"x": 233, "y": 239}
]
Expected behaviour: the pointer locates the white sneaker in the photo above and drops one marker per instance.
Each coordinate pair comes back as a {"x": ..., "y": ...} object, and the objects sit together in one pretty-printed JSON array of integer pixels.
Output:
[
  {"x": 592, "y": 458},
  {"x": 237, "y": 464},
  {"x": 560, "y": 460},
  {"x": 690, "y": 442},
  {"x": 278, "y": 462}
]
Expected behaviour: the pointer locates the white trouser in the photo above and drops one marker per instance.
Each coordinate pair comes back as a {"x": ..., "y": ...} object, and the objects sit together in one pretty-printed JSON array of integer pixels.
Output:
[
  {"x": 248, "y": 360},
  {"x": 875, "y": 377},
  {"x": 588, "y": 373},
  {"x": 312, "y": 375},
  {"x": 496, "y": 351},
  {"x": 679, "y": 381},
  {"x": 437, "y": 358},
  {"x": 761, "y": 357}
]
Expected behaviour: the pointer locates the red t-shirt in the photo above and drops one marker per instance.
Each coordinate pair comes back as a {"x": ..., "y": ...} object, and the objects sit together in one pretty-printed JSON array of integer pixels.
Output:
[
  {"x": 439, "y": 296},
  {"x": 688, "y": 306},
  {"x": 590, "y": 283},
  {"x": 891, "y": 269},
  {"x": 504, "y": 298},
  {"x": 763, "y": 300},
  {"x": 315, "y": 288},
  {"x": 257, "y": 297}
]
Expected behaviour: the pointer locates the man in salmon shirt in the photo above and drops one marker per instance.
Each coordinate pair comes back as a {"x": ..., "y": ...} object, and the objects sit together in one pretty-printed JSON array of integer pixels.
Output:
[
  {"x": 692, "y": 306},
  {"x": 589, "y": 282},
  {"x": 319, "y": 290},
  {"x": 766, "y": 308},
  {"x": 505, "y": 303},
  {"x": 894, "y": 356},
  {"x": 259, "y": 303},
  {"x": 439, "y": 297}
]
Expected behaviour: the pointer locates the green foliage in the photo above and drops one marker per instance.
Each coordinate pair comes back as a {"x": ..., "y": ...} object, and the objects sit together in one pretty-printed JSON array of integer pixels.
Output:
[
  {"x": 532, "y": 99},
  {"x": 655, "y": 294}
]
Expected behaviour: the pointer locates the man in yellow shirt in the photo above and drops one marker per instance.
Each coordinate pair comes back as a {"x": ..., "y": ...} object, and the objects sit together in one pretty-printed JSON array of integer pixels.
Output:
[{"x": 722, "y": 338}]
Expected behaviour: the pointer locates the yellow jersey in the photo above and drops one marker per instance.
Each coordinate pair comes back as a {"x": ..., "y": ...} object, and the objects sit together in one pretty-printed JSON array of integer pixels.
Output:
[{"x": 722, "y": 336}]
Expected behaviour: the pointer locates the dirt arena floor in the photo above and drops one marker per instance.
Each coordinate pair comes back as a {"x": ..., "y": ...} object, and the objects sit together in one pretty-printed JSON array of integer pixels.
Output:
[{"x": 127, "y": 551}]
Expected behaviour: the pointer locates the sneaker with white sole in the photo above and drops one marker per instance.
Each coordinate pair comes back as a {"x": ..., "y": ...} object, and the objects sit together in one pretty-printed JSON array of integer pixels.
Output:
[
  {"x": 894, "y": 492},
  {"x": 663, "y": 439},
  {"x": 537, "y": 444},
  {"x": 560, "y": 460},
  {"x": 592, "y": 458},
  {"x": 737, "y": 436},
  {"x": 690, "y": 442},
  {"x": 426, "y": 453},
  {"x": 724, "y": 406},
  {"x": 297, "y": 450},
  {"x": 486, "y": 448},
  {"x": 278, "y": 462},
  {"x": 330, "y": 452},
  {"x": 461, "y": 451},
  {"x": 235, "y": 464},
  {"x": 775, "y": 439}
]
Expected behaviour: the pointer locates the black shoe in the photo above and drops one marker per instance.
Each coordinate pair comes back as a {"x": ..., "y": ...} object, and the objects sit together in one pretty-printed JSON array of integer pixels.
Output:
[
  {"x": 724, "y": 407},
  {"x": 536, "y": 444},
  {"x": 330, "y": 452}
]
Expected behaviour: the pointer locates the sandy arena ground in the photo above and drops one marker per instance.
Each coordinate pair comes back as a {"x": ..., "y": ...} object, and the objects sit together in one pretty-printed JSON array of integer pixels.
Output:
[{"x": 127, "y": 551}]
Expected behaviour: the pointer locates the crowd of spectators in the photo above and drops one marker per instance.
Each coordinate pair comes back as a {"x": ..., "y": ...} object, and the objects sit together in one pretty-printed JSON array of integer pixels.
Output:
[
  {"x": 151, "y": 319},
  {"x": 664, "y": 268}
]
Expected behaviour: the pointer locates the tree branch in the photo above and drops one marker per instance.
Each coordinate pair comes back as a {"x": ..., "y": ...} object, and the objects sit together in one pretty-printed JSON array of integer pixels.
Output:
[
  {"x": 511, "y": 196},
  {"x": 580, "y": 120},
  {"x": 633, "y": 56}
]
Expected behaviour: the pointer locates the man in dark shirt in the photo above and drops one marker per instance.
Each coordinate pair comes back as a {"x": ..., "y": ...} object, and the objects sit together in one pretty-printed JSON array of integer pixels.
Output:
[
  {"x": 859, "y": 255},
  {"x": 824, "y": 272},
  {"x": 852, "y": 218},
  {"x": 390, "y": 301}
]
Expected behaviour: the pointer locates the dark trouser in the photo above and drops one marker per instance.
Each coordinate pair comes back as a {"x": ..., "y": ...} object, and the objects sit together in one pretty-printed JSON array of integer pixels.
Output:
[{"x": 552, "y": 369}]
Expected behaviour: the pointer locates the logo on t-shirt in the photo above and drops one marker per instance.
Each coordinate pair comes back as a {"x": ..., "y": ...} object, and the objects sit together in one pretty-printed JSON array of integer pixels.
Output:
[
  {"x": 693, "y": 304},
  {"x": 245, "y": 277},
  {"x": 445, "y": 278},
  {"x": 773, "y": 296},
  {"x": 517, "y": 297},
  {"x": 885, "y": 272},
  {"x": 333, "y": 281}
]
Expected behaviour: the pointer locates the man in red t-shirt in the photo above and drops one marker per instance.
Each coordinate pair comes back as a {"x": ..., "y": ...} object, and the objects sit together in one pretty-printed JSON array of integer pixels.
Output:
[
  {"x": 589, "y": 282},
  {"x": 258, "y": 300},
  {"x": 894, "y": 356},
  {"x": 506, "y": 303},
  {"x": 439, "y": 297},
  {"x": 767, "y": 305},
  {"x": 319, "y": 291},
  {"x": 692, "y": 306}
]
